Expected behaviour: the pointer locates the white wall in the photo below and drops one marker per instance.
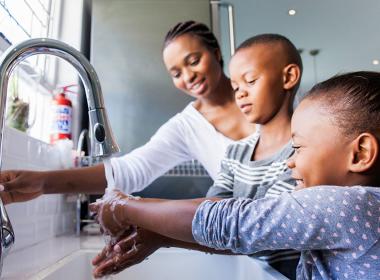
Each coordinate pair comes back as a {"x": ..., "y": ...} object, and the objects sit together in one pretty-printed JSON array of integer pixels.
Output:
[
  {"x": 70, "y": 31},
  {"x": 48, "y": 215}
]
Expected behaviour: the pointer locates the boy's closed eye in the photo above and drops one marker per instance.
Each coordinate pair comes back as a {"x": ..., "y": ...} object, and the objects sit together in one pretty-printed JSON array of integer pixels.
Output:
[
  {"x": 251, "y": 82},
  {"x": 296, "y": 147}
]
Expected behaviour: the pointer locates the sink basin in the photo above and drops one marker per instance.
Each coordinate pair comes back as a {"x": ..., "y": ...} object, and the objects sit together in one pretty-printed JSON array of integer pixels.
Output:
[{"x": 168, "y": 264}]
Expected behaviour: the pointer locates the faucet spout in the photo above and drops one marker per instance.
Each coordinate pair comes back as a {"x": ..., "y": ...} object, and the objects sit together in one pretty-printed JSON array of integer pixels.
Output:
[{"x": 101, "y": 136}]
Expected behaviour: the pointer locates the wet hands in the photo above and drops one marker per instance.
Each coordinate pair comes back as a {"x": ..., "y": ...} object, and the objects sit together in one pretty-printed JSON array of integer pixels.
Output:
[
  {"x": 133, "y": 247},
  {"x": 128, "y": 245},
  {"x": 110, "y": 212}
]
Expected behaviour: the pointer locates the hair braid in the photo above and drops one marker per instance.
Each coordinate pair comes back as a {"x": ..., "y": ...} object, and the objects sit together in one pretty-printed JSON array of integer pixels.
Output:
[{"x": 197, "y": 29}]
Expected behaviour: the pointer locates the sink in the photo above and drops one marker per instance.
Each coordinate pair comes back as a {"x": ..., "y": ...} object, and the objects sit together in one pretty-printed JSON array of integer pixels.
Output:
[{"x": 168, "y": 264}]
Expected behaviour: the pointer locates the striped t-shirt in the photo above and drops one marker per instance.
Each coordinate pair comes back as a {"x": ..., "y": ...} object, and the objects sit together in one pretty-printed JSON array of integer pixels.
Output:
[{"x": 240, "y": 176}]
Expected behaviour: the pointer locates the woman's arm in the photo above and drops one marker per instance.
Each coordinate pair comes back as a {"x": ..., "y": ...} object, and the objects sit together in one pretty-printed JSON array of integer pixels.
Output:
[
  {"x": 166, "y": 149},
  {"x": 22, "y": 185},
  {"x": 132, "y": 172}
]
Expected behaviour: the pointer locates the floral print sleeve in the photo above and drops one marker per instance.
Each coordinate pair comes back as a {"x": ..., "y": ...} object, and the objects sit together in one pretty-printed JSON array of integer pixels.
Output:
[{"x": 322, "y": 222}]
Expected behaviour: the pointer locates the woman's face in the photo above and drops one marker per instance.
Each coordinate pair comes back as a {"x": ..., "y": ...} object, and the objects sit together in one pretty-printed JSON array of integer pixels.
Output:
[{"x": 193, "y": 67}]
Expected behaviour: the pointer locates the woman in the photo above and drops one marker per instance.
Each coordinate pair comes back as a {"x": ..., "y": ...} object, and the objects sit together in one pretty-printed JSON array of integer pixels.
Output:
[{"x": 201, "y": 131}]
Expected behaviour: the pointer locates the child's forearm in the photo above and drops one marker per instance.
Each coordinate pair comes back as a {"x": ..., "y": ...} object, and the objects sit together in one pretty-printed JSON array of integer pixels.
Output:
[
  {"x": 171, "y": 218},
  {"x": 195, "y": 246}
]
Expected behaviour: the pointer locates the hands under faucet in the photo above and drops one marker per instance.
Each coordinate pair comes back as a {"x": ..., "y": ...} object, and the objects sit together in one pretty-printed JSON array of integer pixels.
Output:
[
  {"x": 130, "y": 249},
  {"x": 130, "y": 245}
]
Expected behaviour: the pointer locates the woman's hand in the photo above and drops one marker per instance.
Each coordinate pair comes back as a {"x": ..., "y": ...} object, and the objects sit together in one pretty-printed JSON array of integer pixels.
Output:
[
  {"x": 110, "y": 212},
  {"x": 129, "y": 250},
  {"x": 20, "y": 186}
]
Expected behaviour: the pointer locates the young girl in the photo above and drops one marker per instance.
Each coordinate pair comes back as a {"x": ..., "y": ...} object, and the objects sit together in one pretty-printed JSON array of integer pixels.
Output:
[
  {"x": 201, "y": 131},
  {"x": 333, "y": 219}
]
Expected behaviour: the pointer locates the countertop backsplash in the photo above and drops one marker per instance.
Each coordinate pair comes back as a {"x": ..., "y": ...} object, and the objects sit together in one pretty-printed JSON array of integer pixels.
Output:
[{"x": 47, "y": 216}]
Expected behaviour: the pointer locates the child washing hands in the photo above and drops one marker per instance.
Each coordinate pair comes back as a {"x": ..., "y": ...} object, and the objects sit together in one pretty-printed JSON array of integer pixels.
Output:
[
  {"x": 114, "y": 200},
  {"x": 265, "y": 75},
  {"x": 333, "y": 219}
]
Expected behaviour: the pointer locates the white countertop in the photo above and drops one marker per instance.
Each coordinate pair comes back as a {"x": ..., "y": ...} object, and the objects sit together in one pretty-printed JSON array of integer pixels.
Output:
[{"x": 24, "y": 263}]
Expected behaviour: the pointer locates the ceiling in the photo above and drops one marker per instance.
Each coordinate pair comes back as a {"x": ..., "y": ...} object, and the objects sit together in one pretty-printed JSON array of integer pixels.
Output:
[{"x": 345, "y": 31}]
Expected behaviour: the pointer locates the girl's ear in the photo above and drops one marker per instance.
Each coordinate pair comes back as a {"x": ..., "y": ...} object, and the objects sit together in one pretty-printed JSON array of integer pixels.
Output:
[
  {"x": 364, "y": 153},
  {"x": 292, "y": 75}
]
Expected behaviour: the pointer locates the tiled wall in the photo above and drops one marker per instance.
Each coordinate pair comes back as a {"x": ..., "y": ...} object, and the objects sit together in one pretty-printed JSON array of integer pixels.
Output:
[{"x": 48, "y": 215}]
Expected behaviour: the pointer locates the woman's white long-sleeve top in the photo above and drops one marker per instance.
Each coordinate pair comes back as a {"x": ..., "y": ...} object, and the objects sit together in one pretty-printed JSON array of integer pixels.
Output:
[{"x": 186, "y": 136}]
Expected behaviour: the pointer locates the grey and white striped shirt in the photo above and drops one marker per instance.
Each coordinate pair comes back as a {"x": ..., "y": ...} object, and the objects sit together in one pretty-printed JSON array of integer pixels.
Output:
[{"x": 240, "y": 176}]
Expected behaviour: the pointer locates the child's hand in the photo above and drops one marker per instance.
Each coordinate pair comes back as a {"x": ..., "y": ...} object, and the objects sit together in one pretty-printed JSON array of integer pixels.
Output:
[
  {"x": 110, "y": 212},
  {"x": 129, "y": 250}
]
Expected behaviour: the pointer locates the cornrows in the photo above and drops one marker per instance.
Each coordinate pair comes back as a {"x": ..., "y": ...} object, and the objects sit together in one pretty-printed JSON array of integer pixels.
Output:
[
  {"x": 353, "y": 99},
  {"x": 197, "y": 29}
]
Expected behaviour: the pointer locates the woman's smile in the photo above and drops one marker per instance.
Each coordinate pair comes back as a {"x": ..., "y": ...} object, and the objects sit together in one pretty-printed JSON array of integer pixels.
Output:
[{"x": 198, "y": 87}]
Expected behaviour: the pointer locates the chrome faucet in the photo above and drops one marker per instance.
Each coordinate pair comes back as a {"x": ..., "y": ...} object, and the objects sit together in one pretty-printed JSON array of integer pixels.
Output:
[{"x": 101, "y": 137}]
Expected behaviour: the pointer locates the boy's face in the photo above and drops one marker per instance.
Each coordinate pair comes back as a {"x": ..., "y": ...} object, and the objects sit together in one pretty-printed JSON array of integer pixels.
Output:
[
  {"x": 321, "y": 151},
  {"x": 257, "y": 79}
]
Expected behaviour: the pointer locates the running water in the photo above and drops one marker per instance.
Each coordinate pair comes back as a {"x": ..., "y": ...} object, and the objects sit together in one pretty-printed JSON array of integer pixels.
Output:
[
  {"x": 111, "y": 197},
  {"x": 109, "y": 174}
]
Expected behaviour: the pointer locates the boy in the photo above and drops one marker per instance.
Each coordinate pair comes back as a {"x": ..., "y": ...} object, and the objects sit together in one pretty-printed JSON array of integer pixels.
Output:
[
  {"x": 336, "y": 225},
  {"x": 265, "y": 75}
]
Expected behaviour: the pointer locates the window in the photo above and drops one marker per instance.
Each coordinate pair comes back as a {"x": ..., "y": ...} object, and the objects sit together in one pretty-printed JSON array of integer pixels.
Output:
[{"x": 21, "y": 20}]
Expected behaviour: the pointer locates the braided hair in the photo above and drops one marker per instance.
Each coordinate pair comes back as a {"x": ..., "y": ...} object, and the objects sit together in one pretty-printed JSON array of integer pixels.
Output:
[
  {"x": 197, "y": 29},
  {"x": 352, "y": 99}
]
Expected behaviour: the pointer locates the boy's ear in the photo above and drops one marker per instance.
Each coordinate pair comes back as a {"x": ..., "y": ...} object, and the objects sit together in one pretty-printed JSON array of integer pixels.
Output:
[
  {"x": 291, "y": 76},
  {"x": 364, "y": 153}
]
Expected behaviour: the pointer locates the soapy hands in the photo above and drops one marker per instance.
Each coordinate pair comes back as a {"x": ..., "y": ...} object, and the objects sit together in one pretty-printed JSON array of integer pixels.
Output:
[
  {"x": 110, "y": 212},
  {"x": 128, "y": 245},
  {"x": 133, "y": 247}
]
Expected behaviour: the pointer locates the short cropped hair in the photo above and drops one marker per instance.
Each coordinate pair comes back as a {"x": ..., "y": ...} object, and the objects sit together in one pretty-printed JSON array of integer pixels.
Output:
[
  {"x": 291, "y": 51},
  {"x": 353, "y": 100},
  {"x": 196, "y": 29}
]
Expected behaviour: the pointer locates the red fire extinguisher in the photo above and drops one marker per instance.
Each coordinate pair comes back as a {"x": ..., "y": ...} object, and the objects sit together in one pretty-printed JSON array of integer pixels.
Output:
[{"x": 62, "y": 115}]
